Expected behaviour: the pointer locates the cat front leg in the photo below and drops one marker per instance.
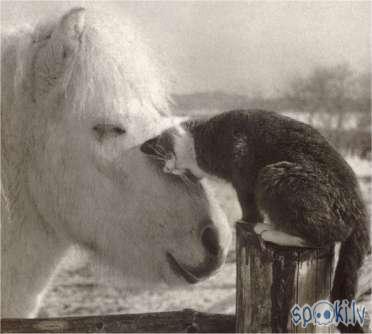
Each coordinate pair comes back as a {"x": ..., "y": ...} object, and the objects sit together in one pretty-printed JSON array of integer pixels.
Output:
[
  {"x": 252, "y": 216},
  {"x": 251, "y": 213}
]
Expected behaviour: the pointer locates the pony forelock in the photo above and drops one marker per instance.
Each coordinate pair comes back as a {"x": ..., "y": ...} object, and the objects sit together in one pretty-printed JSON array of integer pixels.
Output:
[
  {"x": 114, "y": 65},
  {"x": 111, "y": 66}
]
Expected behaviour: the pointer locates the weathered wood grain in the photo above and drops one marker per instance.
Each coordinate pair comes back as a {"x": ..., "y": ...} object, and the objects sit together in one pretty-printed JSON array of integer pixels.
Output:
[
  {"x": 270, "y": 282},
  {"x": 253, "y": 305},
  {"x": 188, "y": 320}
]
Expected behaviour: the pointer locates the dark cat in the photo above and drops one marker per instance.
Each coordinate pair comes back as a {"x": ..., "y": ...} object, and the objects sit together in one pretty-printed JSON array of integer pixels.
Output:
[{"x": 281, "y": 169}]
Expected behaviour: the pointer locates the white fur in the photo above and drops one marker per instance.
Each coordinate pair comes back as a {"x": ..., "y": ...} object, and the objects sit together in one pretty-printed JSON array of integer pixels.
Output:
[
  {"x": 61, "y": 186},
  {"x": 184, "y": 158}
]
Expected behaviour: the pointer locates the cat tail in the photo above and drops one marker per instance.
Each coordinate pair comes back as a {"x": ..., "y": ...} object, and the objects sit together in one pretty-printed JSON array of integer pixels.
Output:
[{"x": 352, "y": 253}]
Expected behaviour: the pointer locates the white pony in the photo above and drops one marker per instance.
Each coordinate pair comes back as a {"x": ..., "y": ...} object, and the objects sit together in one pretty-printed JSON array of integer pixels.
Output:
[{"x": 79, "y": 96}]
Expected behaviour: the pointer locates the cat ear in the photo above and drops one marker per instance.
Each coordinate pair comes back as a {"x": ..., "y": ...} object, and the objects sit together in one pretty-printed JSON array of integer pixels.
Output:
[{"x": 149, "y": 147}]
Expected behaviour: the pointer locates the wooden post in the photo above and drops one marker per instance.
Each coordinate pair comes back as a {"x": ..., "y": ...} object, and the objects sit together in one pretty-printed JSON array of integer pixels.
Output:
[{"x": 269, "y": 283}]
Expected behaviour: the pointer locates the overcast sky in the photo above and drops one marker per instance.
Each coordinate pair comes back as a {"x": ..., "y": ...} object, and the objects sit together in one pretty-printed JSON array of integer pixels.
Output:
[{"x": 243, "y": 47}]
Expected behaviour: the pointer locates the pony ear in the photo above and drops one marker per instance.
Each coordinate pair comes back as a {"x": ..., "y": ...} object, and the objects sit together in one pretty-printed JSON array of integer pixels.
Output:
[
  {"x": 71, "y": 28},
  {"x": 53, "y": 58}
]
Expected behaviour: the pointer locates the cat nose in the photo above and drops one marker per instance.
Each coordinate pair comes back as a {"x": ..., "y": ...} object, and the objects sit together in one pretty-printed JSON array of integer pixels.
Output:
[
  {"x": 148, "y": 147},
  {"x": 166, "y": 169},
  {"x": 211, "y": 240}
]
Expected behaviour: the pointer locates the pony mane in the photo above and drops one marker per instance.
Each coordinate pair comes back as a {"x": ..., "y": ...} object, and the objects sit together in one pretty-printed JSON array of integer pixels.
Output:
[{"x": 112, "y": 65}]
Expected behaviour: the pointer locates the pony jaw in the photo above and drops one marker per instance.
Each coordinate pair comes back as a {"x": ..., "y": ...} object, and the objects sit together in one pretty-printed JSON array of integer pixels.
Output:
[
  {"x": 181, "y": 270},
  {"x": 194, "y": 275}
]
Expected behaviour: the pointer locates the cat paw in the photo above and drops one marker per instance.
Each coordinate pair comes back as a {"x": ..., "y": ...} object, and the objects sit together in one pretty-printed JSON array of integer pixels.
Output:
[
  {"x": 178, "y": 171},
  {"x": 261, "y": 227},
  {"x": 283, "y": 239}
]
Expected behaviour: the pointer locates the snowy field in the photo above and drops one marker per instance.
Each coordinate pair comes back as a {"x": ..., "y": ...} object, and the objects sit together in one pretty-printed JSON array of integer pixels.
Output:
[
  {"x": 325, "y": 120},
  {"x": 76, "y": 291}
]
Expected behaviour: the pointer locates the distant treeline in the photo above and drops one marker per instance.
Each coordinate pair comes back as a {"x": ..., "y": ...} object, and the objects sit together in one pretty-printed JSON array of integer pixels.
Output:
[
  {"x": 350, "y": 141},
  {"x": 336, "y": 91},
  {"x": 218, "y": 101}
]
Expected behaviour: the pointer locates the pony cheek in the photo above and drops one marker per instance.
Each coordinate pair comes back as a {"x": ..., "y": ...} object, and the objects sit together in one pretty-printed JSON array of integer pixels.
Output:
[{"x": 112, "y": 167}]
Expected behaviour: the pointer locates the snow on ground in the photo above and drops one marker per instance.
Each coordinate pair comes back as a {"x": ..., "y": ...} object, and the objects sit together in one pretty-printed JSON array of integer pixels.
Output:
[
  {"x": 363, "y": 168},
  {"x": 325, "y": 120},
  {"x": 76, "y": 291}
]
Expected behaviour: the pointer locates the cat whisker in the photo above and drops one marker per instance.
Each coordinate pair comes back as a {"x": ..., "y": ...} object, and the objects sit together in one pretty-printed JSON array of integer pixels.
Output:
[
  {"x": 156, "y": 150},
  {"x": 185, "y": 179},
  {"x": 159, "y": 153},
  {"x": 160, "y": 149},
  {"x": 156, "y": 157}
]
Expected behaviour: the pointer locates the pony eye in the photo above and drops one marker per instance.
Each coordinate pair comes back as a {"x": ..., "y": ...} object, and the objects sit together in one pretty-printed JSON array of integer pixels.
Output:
[
  {"x": 117, "y": 130},
  {"x": 108, "y": 130}
]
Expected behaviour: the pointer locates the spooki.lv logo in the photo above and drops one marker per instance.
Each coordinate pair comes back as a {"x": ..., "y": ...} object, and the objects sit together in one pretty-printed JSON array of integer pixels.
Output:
[{"x": 323, "y": 313}]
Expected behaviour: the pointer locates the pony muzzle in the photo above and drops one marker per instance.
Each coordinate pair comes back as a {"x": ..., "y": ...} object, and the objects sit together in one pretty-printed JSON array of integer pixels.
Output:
[{"x": 215, "y": 255}]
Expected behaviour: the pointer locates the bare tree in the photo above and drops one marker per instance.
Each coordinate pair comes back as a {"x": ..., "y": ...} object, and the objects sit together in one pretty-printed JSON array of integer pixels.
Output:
[{"x": 334, "y": 92}]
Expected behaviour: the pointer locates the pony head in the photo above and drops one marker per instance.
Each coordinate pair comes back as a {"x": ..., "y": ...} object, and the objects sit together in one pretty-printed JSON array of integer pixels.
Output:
[{"x": 80, "y": 95}]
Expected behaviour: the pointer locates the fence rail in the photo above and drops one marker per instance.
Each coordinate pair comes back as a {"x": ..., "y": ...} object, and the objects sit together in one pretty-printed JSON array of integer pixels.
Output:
[
  {"x": 188, "y": 321},
  {"x": 268, "y": 284}
]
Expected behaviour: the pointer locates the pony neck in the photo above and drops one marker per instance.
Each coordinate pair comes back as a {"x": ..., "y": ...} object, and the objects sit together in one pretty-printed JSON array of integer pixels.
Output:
[{"x": 30, "y": 253}]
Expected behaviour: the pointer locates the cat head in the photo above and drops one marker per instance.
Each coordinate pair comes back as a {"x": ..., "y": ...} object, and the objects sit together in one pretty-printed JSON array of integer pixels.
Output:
[{"x": 175, "y": 148}]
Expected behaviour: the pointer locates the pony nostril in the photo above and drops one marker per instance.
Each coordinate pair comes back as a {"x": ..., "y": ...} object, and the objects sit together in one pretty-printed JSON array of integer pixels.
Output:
[{"x": 210, "y": 240}]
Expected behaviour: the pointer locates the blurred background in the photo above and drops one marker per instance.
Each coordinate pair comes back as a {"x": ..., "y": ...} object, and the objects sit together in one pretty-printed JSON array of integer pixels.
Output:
[{"x": 309, "y": 60}]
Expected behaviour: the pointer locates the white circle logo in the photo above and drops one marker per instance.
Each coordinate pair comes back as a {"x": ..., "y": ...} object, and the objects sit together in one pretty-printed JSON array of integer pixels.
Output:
[{"x": 324, "y": 313}]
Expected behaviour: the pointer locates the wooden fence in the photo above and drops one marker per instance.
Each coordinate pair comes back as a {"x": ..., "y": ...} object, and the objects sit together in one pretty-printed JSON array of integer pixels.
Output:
[{"x": 268, "y": 284}]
